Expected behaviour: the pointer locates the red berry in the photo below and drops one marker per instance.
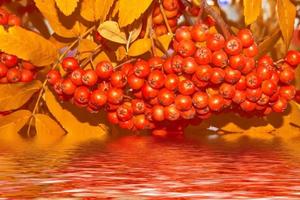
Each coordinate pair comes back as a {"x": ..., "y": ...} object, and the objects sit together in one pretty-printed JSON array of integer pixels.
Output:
[
  {"x": 171, "y": 82},
  {"x": 135, "y": 82},
  {"x": 189, "y": 65},
  {"x": 241, "y": 84},
  {"x": 82, "y": 95},
  {"x": 89, "y": 78},
  {"x": 293, "y": 57},
  {"x": 14, "y": 20},
  {"x": 9, "y": 60},
  {"x": 58, "y": 87},
  {"x": 253, "y": 95},
  {"x": 156, "y": 79},
  {"x": 264, "y": 100},
  {"x": 287, "y": 76},
  {"x": 248, "y": 106},
  {"x": 166, "y": 97},
  {"x": 118, "y": 79},
  {"x": 115, "y": 95},
  {"x": 177, "y": 64},
  {"x": 237, "y": 62},
  {"x": 167, "y": 66},
  {"x": 68, "y": 87},
  {"x": 53, "y": 76},
  {"x": 246, "y": 37},
  {"x": 69, "y": 64},
  {"x": 186, "y": 48},
  {"x": 217, "y": 76},
  {"x": 188, "y": 114},
  {"x": 112, "y": 117},
  {"x": 183, "y": 33},
  {"x": 215, "y": 42},
  {"x": 124, "y": 112},
  {"x": 233, "y": 46},
  {"x": 141, "y": 68},
  {"x": 4, "y": 15},
  {"x": 251, "y": 51},
  {"x": 265, "y": 61},
  {"x": 288, "y": 92},
  {"x": 239, "y": 96},
  {"x": 216, "y": 103},
  {"x": 155, "y": 62},
  {"x": 253, "y": 81},
  {"x": 199, "y": 32},
  {"x": 183, "y": 102},
  {"x": 140, "y": 122},
  {"x": 186, "y": 87},
  {"x": 98, "y": 99},
  {"x": 227, "y": 91},
  {"x": 76, "y": 76},
  {"x": 171, "y": 113},
  {"x": 27, "y": 65},
  {"x": 149, "y": 92},
  {"x": 232, "y": 76},
  {"x": 249, "y": 66},
  {"x": 203, "y": 56},
  {"x": 280, "y": 105},
  {"x": 204, "y": 72},
  {"x": 268, "y": 87},
  {"x": 170, "y": 4},
  {"x": 158, "y": 113},
  {"x": 138, "y": 106},
  {"x": 26, "y": 75},
  {"x": 200, "y": 100},
  {"x": 104, "y": 87},
  {"x": 14, "y": 75},
  {"x": 3, "y": 70},
  {"x": 104, "y": 69},
  {"x": 219, "y": 58},
  {"x": 264, "y": 72}
]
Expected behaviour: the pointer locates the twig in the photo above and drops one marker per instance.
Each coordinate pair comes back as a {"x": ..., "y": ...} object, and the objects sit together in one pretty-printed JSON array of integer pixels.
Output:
[
  {"x": 219, "y": 20},
  {"x": 126, "y": 62},
  {"x": 128, "y": 41},
  {"x": 35, "y": 109},
  {"x": 162, "y": 10},
  {"x": 88, "y": 59}
]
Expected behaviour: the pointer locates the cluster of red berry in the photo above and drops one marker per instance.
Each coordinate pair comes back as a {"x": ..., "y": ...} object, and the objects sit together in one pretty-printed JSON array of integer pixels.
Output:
[
  {"x": 8, "y": 19},
  {"x": 207, "y": 74},
  {"x": 172, "y": 11},
  {"x": 13, "y": 69}
]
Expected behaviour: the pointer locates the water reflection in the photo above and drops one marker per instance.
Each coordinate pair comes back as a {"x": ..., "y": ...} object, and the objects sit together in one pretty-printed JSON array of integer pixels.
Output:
[{"x": 136, "y": 167}]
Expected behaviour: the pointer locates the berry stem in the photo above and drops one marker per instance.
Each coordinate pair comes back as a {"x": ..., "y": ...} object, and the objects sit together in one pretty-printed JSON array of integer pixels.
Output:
[
  {"x": 40, "y": 95},
  {"x": 219, "y": 20},
  {"x": 88, "y": 59},
  {"x": 162, "y": 10},
  {"x": 126, "y": 62}
]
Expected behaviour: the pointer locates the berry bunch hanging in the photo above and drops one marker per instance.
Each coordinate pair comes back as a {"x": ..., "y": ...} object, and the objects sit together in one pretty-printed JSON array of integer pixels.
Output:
[
  {"x": 12, "y": 68},
  {"x": 207, "y": 74}
]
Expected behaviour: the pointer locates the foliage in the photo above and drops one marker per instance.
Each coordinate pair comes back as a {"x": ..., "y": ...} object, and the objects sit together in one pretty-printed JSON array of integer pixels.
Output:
[{"x": 125, "y": 28}]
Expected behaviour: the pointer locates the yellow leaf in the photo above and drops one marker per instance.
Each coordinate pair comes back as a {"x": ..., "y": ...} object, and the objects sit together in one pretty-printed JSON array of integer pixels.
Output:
[
  {"x": 268, "y": 43},
  {"x": 120, "y": 53},
  {"x": 139, "y": 47},
  {"x": 252, "y": 10},
  {"x": 16, "y": 95},
  {"x": 27, "y": 45},
  {"x": 135, "y": 30},
  {"x": 165, "y": 41},
  {"x": 73, "y": 119},
  {"x": 101, "y": 57},
  {"x": 286, "y": 15},
  {"x": 66, "y": 6},
  {"x": 17, "y": 119},
  {"x": 93, "y": 10},
  {"x": 86, "y": 47},
  {"x": 49, "y": 11},
  {"x": 111, "y": 31},
  {"x": 130, "y": 10},
  {"x": 48, "y": 132}
]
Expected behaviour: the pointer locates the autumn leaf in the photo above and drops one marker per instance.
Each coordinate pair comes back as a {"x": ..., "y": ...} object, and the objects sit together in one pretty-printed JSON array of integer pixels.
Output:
[
  {"x": 48, "y": 132},
  {"x": 139, "y": 47},
  {"x": 165, "y": 41},
  {"x": 135, "y": 30},
  {"x": 86, "y": 47},
  {"x": 16, "y": 119},
  {"x": 93, "y": 10},
  {"x": 67, "y": 6},
  {"x": 49, "y": 11},
  {"x": 120, "y": 53},
  {"x": 73, "y": 119},
  {"x": 34, "y": 48},
  {"x": 268, "y": 43},
  {"x": 286, "y": 16},
  {"x": 16, "y": 95},
  {"x": 130, "y": 10},
  {"x": 111, "y": 31},
  {"x": 252, "y": 10}
]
